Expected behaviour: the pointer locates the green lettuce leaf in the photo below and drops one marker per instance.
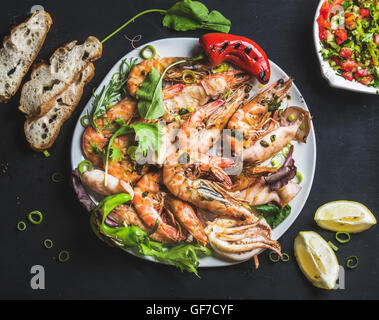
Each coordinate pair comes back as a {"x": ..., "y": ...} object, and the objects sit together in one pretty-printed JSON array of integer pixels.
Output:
[
  {"x": 185, "y": 256},
  {"x": 274, "y": 215}
]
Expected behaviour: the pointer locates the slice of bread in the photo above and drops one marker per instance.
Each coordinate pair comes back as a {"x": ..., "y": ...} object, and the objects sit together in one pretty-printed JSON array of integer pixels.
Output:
[
  {"x": 48, "y": 81},
  {"x": 42, "y": 132},
  {"x": 19, "y": 51}
]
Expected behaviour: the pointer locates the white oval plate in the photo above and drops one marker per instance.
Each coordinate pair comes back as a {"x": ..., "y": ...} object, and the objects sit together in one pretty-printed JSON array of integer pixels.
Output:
[
  {"x": 327, "y": 71},
  {"x": 305, "y": 154}
]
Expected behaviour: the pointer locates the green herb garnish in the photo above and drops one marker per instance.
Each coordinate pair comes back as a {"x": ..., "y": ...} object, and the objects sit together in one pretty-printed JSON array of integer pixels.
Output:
[
  {"x": 184, "y": 16},
  {"x": 273, "y": 215},
  {"x": 183, "y": 256},
  {"x": 150, "y": 94},
  {"x": 111, "y": 93}
]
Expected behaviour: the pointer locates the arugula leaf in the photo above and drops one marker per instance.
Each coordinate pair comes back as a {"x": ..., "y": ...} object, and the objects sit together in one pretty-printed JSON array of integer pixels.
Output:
[
  {"x": 185, "y": 15},
  {"x": 274, "y": 215},
  {"x": 150, "y": 102},
  {"x": 149, "y": 136},
  {"x": 190, "y": 15},
  {"x": 217, "y": 22}
]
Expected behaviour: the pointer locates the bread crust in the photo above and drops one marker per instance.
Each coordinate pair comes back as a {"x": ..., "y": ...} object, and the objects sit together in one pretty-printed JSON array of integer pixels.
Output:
[
  {"x": 47, "y": 105},
  {"x": 48, "y": 144},
  {"x": 6, "y": 97}
]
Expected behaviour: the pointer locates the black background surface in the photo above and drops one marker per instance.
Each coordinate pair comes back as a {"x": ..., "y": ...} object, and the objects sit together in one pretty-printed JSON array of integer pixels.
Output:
[{"x": 346, "y": 126}]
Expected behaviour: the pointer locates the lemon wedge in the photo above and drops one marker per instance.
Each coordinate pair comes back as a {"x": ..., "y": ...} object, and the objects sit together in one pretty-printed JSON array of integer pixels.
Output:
[
  {"x": 347, "y": 216},
  {"x": 316, "y": 260}
]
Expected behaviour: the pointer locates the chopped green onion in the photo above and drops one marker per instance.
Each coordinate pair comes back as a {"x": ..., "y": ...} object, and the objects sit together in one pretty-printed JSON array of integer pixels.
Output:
[
  {"x": 64, "y": 256},
  {"x": 260, "y": 86},
  {"x": 352, "y": 262},
  {"x": 84, "y": 121},
  {"x": 34, "y": 213},
  {"x": 57, "y": 177},
  {"x": 190, "y": 109},
  {"x": 21, "y": 226},
  {"x": 191, "y": 74},
  {"x": 291, "y": 118},
  {"x": 178, "y": 118},
  {"x": 152, "y": 54},
  {"x": 84, "y": 166},
  {"x": 286, "y": 257},
  {"x": 299, "y": 177},
  {"x": 302, "y": 126},
  {"x": 273, "y": 256},
  {"x": 273, "y": 138},
  {"x": 264, "y": 143},
  {"x": 46, "y": 153},
  {"x": 48, "y": 243},
  {"x": 333, "y": 246},
  {"x": 248, "y": 207},
  {"x": 222, "y": 67},
  {"x": 341, "y": 240},
  {"x": 226, "y": 95}
]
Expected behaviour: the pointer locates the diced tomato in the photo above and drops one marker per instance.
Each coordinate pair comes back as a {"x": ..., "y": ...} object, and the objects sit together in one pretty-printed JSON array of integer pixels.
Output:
[
  {"x": 348, "y": 76},
  {"x": 364, "y": 12},
  {"x": 346, "y": 53},
  {"x": 324, "y": 23},
  {"x": 361, "y": 72},
  {"x": 325, "y": 10},
  {"x": 338, "y": 2},
  {"x": 365, "y": 80},
  {"x": 323, "y": 34},
  {"x": 350, "y": 21},
  {"x": 376, "y": 39},
  {"x": 349, "y": 65},
  {"x": 341, "y": 35}
]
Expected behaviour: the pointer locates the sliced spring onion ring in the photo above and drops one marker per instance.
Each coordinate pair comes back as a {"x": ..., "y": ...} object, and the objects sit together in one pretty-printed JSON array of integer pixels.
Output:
[
  {"x": 21, "y": 226},
  {"x": 299, "y": 177},
  {"x": 273, "y": 257},
  {"x": 341, "y": 240},
  {"x": 84, "y": 121},
  {"x": 286, "y": 257},
  {"x": 222, "y": 67},
  {"x": 332, "y": 245},
  {"x": 148, "y": 48},
  {"x": 48, "y": 243},
  {"x": 352, "y": 262},
  {"x": 84, "y": 166},
  {"x": 190, "y": 73},
  {"x": 34, "y": 213},
  {"x": 57, "y": 177},
  {"x": 46, "y": 153},
  {"x": 64, "y": 256}
]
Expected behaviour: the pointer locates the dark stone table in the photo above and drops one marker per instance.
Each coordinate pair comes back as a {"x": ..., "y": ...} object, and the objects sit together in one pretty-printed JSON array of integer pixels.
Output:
[{"x": 346, "y": 126}]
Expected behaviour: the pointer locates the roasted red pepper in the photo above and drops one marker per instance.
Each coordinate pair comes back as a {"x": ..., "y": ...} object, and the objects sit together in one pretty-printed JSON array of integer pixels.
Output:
[{"x": 242, "y": 51}]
